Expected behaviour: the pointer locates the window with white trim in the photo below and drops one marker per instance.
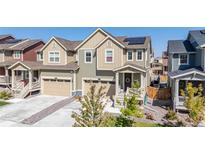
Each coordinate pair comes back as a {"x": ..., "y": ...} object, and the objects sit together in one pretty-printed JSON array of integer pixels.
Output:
[
  {"x": 88, "y": 56},
  {"x": 183, "y": 59},
  {"x": 139, "y": 55},
  {"x": 40, "y": 56},
  {"x": 129, "y": 55},
  {"x": 108, "y": 56},
  {"x": 54, "y": 57},
  {"x": 17, "y": 54}
]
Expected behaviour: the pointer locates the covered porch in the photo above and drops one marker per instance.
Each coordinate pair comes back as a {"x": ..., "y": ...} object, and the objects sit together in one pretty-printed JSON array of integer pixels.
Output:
[
  {"x": 24, "y": 79},
  {"x": 180, "y": 80},
  {"x": 126, "y": 76}
]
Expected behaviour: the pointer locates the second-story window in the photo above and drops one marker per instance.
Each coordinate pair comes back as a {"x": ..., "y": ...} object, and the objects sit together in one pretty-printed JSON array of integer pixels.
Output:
[
  {"x": 17, "y": 54},
  {"x": 183, "y": 59},
  {"x": 54, "y": 57},
  {"x": 139, "y": 55},
  {"x": 88, "y": 56},
  {"x": 109, "y": 56},
  {"x": 40, "y": 56},
  {"x": 129, "y": 55}
]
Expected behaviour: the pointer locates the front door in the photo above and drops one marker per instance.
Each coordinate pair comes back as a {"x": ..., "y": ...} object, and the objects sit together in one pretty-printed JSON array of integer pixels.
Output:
[{"x": 128, "y": 80}]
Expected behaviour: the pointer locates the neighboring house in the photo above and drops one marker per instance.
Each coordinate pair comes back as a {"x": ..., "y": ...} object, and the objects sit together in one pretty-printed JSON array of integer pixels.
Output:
[
  {"x": 13, "y": 50},
  {"x": 157, "y": 66},
  {"x": 6, "y": 37},
  {"x": 186, "y": 60},
  {"x": 55, "y": 74},
  {"x": 165, "y": 62},
  {"x": 68, "y": 67}
]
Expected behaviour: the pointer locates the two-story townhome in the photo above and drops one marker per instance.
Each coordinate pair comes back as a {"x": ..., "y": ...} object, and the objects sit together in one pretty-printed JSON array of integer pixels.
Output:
[
  {"x": 186, "y": 60},
  {"x": 13, "y": 50},
  {"x": 54, "y": 74},
  {"x": 68, "y": 66},
  {"x": 113, "y": 62}
]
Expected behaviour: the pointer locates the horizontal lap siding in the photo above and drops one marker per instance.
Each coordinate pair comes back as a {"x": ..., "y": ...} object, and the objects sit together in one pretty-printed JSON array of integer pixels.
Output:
[{"x": 30, "y": 54}]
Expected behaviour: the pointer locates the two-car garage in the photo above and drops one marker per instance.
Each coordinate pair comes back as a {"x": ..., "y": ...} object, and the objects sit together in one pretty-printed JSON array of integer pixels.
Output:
[
  {"x": 109, "y": 86},
  {"x": 55, "y": 86}
]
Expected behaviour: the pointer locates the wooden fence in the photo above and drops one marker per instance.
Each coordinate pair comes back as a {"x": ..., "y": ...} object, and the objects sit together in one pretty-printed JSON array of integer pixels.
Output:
[{"x": 159, "y": 93}]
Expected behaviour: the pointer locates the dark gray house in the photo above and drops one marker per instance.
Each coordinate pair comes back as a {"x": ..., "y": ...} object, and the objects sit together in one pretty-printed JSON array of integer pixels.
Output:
[{"x": 186, "y": 61}]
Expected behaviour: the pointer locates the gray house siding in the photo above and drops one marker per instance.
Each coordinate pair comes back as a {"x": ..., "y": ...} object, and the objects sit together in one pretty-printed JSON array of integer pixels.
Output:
[
  {"x": 89, "y": 70},
  {"x": 174, "y": 62}
]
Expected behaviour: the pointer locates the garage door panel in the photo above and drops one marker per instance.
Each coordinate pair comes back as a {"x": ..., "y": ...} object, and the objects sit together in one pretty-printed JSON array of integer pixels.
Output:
[
  {"x": 56, "y": 87},
  {"x": 109, "y": 87}
]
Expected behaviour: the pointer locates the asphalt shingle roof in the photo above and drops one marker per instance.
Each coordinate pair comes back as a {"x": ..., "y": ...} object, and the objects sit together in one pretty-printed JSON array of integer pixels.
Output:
[
  {"x": 181, "y": 72},
  {"x": 180, "y": 46},
  {"x": 5, "y": 36},
  {"x": 20, "y": 44},
  {"x": 69, "y": 45},
  {"x": 199, "y": 36}
]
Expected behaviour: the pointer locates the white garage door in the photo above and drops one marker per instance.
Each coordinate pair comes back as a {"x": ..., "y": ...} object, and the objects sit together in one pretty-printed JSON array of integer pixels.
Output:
[
  {"x": 56, "y": 87},
  {"x": 109, "y": 86}
]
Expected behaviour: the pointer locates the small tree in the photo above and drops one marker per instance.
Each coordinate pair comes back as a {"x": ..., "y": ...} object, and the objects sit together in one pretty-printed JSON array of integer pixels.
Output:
[
  {"x": 132, "y": 103},
  {"x": 194, "y": 102},
  {"x": 91, "y": 113}
]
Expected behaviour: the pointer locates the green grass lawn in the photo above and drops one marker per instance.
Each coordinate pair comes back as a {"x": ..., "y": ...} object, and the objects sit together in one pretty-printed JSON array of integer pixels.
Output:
[
  {"x": 2, "y": 103},
  {"x": 143, "y": 124}
]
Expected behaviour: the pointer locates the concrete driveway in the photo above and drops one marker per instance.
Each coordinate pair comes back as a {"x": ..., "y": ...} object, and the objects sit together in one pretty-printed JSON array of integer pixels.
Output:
[{"x": 14, "y": 114}]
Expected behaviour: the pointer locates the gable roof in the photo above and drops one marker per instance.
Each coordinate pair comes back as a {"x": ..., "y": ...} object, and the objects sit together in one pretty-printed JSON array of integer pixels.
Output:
[
  {"x": 131, "y": 65},
  {"x": 104, "y": 32},
  {"x": 199, "y": 36},
  {"x": 64, "y": 43},
  {"x": 180, "y": 46}
]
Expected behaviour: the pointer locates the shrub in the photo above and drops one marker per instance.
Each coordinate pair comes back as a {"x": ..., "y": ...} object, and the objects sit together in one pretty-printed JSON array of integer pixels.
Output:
[
  {"x": 195, "y": 102},
  {"x": 5, "y": 95},
  {"x": 132, "y": 107},
  {"x": 123, "y": 121},
  {"x": 171, "y": 115},
  {"x": 150, "y": 116}
]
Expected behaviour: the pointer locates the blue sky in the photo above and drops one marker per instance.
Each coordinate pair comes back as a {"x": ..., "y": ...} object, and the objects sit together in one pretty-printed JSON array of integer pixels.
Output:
[{"x": 160, "y": 35}]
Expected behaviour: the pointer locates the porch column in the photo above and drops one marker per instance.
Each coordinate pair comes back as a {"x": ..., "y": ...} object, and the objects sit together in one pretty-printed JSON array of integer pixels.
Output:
[
  {"x": 30, "y": 79},
  {"x": 141, "y": 80},
  {"x": 176, "y": 98},
  {"x": 6, "y": 74},
  {"x": 12, "y": 78},
  {"x": 116, "y": 82}
]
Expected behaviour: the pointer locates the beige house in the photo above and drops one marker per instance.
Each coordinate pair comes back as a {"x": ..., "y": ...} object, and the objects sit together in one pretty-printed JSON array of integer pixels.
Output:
[{"x": 68, "y": 67}]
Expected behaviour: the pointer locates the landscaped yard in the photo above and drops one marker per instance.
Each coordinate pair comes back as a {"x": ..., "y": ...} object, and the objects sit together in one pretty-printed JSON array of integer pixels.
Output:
[{"x": 2, "y": 103}]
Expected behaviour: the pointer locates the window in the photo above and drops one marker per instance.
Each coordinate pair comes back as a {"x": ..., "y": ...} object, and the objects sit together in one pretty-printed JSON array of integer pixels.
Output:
[
  {"x": 54, "y": 57},
  {"x": 139, "y": 55},
  {"x": 184, "y": 59},
  {"x": 129, "y": 55},
  {"x": 109, "y": 56},
  {"x": 40, "y": 56},
  {"x": 17, "y": 54},
  {"x": 88, "y": 56}
]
